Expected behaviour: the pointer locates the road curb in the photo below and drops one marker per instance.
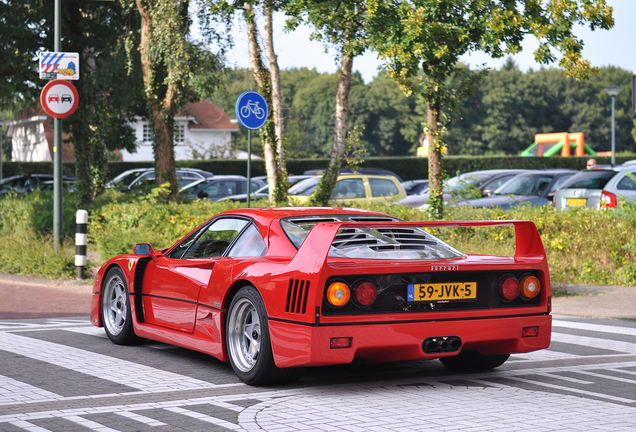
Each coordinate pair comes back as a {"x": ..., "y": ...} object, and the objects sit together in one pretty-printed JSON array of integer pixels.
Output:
[{"x": 45, "y": 281}]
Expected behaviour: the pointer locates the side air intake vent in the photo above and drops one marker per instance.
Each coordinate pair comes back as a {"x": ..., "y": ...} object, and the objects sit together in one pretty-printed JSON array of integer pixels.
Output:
[{"x": 297, "y": 296}]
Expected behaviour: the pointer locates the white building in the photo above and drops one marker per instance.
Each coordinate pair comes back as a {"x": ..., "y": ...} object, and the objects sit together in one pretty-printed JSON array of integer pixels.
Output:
[
  {"x": 202, "y": 131},
  {"x": 32, "y": 138}
]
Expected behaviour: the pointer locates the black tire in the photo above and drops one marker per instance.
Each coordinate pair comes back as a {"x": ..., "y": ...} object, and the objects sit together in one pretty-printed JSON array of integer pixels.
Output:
[
  {"x": 115, "y": 309},
  {"x": 473, "y": 361},
  {"x": 248, "y": 344}
]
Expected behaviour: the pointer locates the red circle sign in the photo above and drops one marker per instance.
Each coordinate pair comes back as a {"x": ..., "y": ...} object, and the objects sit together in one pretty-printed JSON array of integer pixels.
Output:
[{"x": 59, "y": 98}]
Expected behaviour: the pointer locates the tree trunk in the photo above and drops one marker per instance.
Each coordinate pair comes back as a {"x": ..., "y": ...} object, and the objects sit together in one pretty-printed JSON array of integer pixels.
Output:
[
  {"x": 328, "y": 181},
  {"x": 262, "y": 77},
  {"x": 435, "y": 174},
  {"x": 281, "y": 184},
  {"x": 161, "y": 112}
]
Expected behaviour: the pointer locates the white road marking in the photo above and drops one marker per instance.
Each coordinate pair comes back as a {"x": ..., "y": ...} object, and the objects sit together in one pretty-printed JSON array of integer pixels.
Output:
[
  {"x": 15, "y": 392},
  {"x": 140, "y": 377},
  {"x": 140, "y": 418},
  {"x": 573, "y": 390},
  {"x": 205, "y": 418},
  {"x": 607, "y": 344},
  {"x": 90, "y": 424},
  {"x": 28, "y": 426},
  {"x": 629, "y": 331}
]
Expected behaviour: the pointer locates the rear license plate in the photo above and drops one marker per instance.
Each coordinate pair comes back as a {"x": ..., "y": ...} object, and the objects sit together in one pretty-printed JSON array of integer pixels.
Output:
[
  {"x": 576, "y": 202},
  {"x": 442, "y": 292}
]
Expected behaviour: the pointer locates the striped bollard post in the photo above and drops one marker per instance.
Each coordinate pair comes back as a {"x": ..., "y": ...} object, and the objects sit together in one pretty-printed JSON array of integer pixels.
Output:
[{"x": 81, "y": 219}]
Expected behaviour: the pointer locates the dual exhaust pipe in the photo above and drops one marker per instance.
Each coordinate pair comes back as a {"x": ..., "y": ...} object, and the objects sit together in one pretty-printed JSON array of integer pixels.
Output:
[{"x": 441, "y": 344}]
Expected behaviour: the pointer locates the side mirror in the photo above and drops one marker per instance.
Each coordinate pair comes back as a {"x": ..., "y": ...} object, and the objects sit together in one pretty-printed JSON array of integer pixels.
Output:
[
  {"x": 145, "y": 249},
  {"x": 202, "y": 194},
  {"x": 487, "y": 192}
]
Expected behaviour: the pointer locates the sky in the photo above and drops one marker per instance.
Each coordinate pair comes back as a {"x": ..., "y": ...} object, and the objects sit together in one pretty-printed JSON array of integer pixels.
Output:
[{"x": 615, "y": 47}]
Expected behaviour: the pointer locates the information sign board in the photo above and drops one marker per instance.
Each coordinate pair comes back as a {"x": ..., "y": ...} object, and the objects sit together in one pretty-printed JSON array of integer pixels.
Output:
[{"x": 59, "y": 65}]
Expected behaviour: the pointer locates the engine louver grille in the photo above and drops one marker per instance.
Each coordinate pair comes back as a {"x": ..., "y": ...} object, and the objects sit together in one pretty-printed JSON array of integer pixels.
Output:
[
  {"x": 297, "y": 296},
  {"x": 384, "y": 238}
]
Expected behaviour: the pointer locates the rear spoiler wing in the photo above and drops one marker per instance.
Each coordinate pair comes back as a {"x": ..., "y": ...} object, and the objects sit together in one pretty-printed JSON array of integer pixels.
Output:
[{"x": 313, "y": 252}]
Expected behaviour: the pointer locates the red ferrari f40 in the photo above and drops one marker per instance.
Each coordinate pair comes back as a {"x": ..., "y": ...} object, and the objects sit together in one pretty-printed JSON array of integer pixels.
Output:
[{"x": 276, "y": 290}]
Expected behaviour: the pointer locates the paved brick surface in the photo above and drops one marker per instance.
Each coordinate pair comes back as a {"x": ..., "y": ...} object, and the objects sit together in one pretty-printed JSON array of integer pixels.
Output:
[
  {"x": 62, "y": 374},
  {"x": 22, "y": 298}
]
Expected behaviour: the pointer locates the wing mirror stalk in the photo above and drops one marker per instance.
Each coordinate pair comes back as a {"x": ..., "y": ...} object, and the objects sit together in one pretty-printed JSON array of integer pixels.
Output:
[{"x": 146, "y": 249}]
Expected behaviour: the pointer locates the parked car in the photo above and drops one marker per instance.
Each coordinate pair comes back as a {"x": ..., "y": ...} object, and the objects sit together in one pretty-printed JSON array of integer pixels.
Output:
[
  {"x": 534, "y": 188},
  {"x": 131, "y": 179},
  {"x": 369, "y": 171},
  {"x": 263, "y": 193},
  {"x": 219, "y": 187},
  {"x": 278, "y": 289},
  {"x": 482, "y": 183},
  {"x": 351, "y": 188},
  {"x": 598, "y": 188},
  {"x": 415, "y": 187},
  {"x": 26, "y": 183}
]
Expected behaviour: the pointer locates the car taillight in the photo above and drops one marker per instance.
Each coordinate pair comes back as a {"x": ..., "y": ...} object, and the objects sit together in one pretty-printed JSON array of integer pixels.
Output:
[
  {"x": 338, "y": 294},
  {"x": 365, "y": 293},
  {"x": 608, "y": 199},
  {"x": 509, "y": 288},
  {"x": 530, "y": 287}
]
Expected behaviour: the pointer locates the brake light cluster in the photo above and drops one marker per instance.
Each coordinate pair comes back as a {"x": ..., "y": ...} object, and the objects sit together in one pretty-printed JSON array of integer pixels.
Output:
[
  {"x": 510, "y": 287},
  {"x": 364, "y": 293},
  {"x": 608, "y": 199}
]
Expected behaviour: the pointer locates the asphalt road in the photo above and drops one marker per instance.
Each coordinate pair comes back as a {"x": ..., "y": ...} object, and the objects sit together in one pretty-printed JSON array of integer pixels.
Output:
[{"x": 59, "y": 373}]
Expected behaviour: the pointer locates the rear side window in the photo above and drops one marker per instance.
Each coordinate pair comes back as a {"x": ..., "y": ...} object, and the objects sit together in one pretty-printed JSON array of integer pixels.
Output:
[
  {"x": 382, "y": 187},
  {"x": 628, "y": 182},
  {"x": 590, "y": 180}
]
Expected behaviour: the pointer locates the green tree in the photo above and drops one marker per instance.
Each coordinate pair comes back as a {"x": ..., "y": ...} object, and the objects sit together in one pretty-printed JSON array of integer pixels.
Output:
[
  {"x": 429, "y": 36},
  {"x": 95, "y": 31},
  {"x": 340, "y": 24},
  {"x": 175, "y": 70}
]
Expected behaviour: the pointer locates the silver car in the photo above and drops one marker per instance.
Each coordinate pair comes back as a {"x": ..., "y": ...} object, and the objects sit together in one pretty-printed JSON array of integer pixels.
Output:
[{"x": 598, "y": 188}]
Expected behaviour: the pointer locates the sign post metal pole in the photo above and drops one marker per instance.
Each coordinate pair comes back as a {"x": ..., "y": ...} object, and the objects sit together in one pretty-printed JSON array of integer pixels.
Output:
[
  {"x": 57, "y": 147},
  {"x": 249, "y": 160}
]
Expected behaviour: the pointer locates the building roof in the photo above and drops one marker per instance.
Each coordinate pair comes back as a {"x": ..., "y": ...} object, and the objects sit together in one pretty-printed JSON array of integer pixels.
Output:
[{"x": 207, "y": 116}]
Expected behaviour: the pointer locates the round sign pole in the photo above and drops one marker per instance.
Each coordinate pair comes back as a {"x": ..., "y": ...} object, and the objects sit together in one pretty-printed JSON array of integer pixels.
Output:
[
  {"x": 249, "y": 161},
  {"x": 251, "y": 112},
  {"x": 59, "y": 99}
]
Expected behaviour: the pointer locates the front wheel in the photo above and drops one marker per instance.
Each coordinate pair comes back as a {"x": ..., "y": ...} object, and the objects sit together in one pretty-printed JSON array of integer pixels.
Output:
[
  {"x": 248, "y": 343},
  {"x": 473, "y": 361},
  {"x": 116, "y": 315}
]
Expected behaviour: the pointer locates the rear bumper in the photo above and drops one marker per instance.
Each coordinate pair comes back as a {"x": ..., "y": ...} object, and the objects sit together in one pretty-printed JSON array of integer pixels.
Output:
[{"x": 304, "y": 345}]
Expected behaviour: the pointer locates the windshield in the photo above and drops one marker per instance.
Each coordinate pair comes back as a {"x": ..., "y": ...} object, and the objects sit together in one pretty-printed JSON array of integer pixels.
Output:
[
  {"x": 126, "y": 178},
  {"x": 305, "y": 187},
  {"x": 189, "y": 189},
  {"x": 589, "y": 180},
  {"x": 372, "y": 243},
  {"x": 526, "y": 184},
  {"x": 465, "y": 180}
]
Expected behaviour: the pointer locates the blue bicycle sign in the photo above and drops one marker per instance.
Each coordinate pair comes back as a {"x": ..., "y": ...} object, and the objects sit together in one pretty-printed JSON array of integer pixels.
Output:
[{"x": 251, "y": 110}]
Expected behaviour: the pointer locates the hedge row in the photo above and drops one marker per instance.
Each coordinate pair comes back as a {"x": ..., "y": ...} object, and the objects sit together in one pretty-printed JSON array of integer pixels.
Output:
[{"x": 408, "y": 168}]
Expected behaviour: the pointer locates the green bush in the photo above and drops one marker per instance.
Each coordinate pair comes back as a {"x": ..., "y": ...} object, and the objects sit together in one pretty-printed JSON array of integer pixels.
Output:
[{"x": 582, "y": 245}]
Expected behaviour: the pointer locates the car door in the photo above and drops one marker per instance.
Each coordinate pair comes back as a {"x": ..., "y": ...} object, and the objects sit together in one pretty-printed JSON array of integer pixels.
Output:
[{"x": 171, "y": 286}]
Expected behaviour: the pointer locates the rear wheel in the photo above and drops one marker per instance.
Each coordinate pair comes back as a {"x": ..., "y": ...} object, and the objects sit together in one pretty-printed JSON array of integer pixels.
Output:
[
  {"x": 116, "y": 315},
  {"x": 248, "y": 343},
  {"x": 473, "y": 361}
]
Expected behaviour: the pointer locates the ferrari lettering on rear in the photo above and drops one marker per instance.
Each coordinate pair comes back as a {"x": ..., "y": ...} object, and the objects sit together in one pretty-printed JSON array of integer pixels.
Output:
[{"x": 445, "y": 268}]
